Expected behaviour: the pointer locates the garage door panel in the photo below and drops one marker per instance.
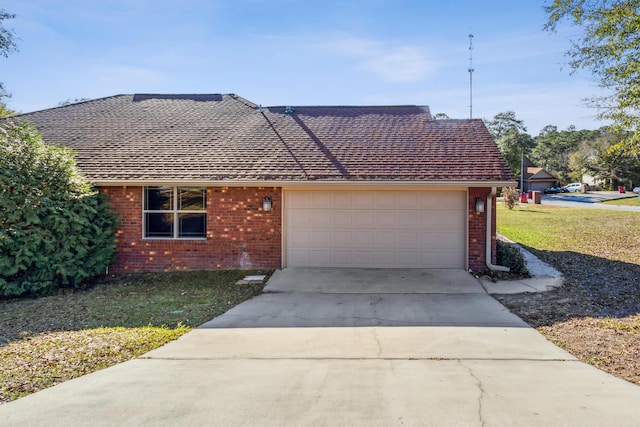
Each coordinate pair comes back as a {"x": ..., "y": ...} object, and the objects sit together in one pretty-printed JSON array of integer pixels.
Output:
[
  {"x": 363, "y": 258},
  {"x": 343, "y": 200},
  {"x": 363, "y": 238},
  {"x": 364, "y": 219},
  {"x": 386, "y": 200},
  {"x": 408, "y": 199},
  {"x": 320, "y": 239},
  {"x": 384, "y": 238},
  {"x": 364, "y": 199},
  {"x": 320, "y": 199},
  {"x": 450, "y": 219},
  {"x": 407, "y": 219},
  {"x": 298, "y": 199},
  {"x": 298, "y": 237},
  {"x": 299, "y": 218},
  {"x": 343, "y": 219},
  {"x": 342, "y": 258},
  {"x": 407, "y": 240},
  {"x": 321, "y": 219},
  {"x": 342, "y": 239},
  {"x": 384, "y": 218},
  {"x": 403, "y": 229}
]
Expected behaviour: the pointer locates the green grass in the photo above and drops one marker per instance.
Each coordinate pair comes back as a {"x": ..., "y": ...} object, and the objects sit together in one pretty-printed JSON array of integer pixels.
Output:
[
  {"x": 52, "y": 339},
  {"x": 612, "y": 235},
  {"x": 629, "y": 201}
]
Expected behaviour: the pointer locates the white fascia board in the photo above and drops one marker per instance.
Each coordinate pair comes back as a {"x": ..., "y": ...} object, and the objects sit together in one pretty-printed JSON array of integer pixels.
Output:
[{"x": 310, "y": 183}]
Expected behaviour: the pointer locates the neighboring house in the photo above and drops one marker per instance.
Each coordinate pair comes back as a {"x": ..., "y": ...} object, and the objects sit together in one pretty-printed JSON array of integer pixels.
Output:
[
  {"x": 592, "y": 181},
  {"x": 215, "y": 181},
  {"x": 537, "y": 179}
]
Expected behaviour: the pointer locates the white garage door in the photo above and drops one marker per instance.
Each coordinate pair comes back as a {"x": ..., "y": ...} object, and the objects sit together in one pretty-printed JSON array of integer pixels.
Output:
[{"x": 390, "y": 229}]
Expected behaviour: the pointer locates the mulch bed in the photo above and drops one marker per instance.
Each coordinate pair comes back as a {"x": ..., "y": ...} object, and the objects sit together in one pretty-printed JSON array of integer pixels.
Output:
[{"x": 596, "y": 314}]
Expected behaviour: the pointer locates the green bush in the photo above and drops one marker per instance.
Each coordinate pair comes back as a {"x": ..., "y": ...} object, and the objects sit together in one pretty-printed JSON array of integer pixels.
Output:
[
  {"x": 55, "y": 230},
  {"x": 508, "y": 255}
]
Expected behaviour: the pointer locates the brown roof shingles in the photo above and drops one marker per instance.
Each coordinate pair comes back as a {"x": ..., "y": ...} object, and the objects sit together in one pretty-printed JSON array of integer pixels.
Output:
[{"x": 226, "y": 138}]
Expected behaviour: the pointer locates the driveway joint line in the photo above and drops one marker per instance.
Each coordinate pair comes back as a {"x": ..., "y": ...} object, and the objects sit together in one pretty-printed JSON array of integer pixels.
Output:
[{"x": 407, "y": 358}]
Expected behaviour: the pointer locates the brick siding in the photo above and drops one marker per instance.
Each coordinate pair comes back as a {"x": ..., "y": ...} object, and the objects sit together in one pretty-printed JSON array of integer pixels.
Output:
[
  {"x": 239, "y": 233},
  {"x": 478, "y": 227}
]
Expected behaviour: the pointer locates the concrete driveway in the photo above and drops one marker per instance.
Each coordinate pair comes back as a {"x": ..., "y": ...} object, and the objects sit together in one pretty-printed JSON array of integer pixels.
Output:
[{"x": 319, "y": 348}]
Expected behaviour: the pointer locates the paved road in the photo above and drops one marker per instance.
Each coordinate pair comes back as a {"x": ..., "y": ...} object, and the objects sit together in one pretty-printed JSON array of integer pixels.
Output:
[
  {"x": 464, "y": 361},
  {"x": 589, "y": 200}
]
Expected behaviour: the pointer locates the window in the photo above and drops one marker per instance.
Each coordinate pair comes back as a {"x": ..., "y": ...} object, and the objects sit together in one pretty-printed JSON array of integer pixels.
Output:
[{"x": 175, "y": 212}]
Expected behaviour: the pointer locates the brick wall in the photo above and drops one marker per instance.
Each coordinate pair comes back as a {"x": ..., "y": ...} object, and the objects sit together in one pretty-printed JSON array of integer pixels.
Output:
[
  {"x": 477, "y": 229},
  {"x": 239, "y": 233}
]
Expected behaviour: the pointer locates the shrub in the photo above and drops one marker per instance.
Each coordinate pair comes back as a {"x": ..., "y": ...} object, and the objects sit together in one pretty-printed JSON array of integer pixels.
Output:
[
  {"x": 510, "y": 197},
  {"x": 509, "y": 255},
  {"x": 55, "y": 230}
]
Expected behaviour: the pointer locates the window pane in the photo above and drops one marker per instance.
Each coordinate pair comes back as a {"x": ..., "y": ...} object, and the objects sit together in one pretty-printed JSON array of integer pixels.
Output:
[
  {"x": 158, "y": 198},
  {"x": 192, "y": 198},
  {"x": 158, "y": 225},
  {"x": 192, "y": 225}
]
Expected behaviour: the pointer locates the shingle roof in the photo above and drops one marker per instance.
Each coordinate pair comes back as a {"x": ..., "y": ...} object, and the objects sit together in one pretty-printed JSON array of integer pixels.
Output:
[{"x": 149, "y": 137}]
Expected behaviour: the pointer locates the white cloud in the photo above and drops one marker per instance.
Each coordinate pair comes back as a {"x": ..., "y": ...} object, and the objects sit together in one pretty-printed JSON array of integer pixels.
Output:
[
  {"x": 390, "y": 62},
  {"x": 404, "y": 64}
]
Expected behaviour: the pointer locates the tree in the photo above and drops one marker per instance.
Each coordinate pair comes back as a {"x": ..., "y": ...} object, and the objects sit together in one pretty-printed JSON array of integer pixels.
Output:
[
  {"x": 55, "y": 231},
  {"x": 554, "y": 148},
  {"x": 510, "y": 135},
  {"x": 606, "y": 159},
  {"x": 609, "y": 47},
  {"x": 7, "y": 45},
  {"x": 7, "y": 37}
]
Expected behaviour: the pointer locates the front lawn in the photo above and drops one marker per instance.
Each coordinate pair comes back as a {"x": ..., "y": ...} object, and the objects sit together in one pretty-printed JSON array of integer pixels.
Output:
[
  {"x": 52, "y": 339},
  {"x": 629, "y": 201},
  {"x": 596, "y": 314}
]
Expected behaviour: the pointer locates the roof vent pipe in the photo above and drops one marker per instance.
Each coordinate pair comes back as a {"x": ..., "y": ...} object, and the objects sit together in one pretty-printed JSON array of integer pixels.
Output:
[{"x": 288, "y": 110}]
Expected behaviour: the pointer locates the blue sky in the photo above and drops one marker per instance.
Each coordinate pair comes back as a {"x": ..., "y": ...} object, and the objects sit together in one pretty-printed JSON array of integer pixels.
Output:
[{"x": 302, "y": 52}]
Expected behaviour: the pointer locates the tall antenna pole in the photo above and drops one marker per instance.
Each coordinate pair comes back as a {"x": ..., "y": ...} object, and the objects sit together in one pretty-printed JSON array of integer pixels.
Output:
[{"x": 470, "y": 76}]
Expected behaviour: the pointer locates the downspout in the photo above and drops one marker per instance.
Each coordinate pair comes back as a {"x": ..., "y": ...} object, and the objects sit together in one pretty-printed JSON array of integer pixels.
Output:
[{"x": 488, "y": 245}]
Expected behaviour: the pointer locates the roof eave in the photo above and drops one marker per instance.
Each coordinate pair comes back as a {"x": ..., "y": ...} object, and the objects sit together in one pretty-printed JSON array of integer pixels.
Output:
[{"x": 304, "y": 183}]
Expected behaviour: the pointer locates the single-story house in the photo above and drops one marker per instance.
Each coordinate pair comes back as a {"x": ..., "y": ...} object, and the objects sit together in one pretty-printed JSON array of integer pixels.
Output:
[
  {"x": 537, "y": 179},
  {"x": 216, "y": 181}
]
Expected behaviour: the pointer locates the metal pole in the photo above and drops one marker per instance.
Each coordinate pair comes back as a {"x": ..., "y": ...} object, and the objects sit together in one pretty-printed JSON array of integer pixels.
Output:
[
  {"x": 471, "y": 76},
  {"x": 522, "y": 172}
]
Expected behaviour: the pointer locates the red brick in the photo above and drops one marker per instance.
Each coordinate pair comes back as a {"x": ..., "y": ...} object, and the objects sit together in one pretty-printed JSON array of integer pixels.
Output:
[{"x": 228, "y": 209}]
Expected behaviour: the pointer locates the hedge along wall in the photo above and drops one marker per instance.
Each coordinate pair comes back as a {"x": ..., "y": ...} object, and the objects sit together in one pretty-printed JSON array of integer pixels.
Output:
[{"x": 239, "y": 233}]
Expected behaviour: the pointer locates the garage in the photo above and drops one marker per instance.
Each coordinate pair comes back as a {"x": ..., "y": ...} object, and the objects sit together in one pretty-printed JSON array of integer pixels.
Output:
[{"x": 387, "y": 228}]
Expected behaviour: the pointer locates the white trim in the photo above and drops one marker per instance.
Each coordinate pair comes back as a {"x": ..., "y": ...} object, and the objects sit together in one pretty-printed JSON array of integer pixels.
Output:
[
  {"x": 302, "y": 183},
  {"x": 466, "y": 232}
]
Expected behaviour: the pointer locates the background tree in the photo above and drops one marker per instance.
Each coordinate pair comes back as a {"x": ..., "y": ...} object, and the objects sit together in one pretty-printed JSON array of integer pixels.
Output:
[
  {"x": 609, "y": 47},
  {"x": 510, "y": 136},
  {"x": 7, "y": 45},
  {"x": 553, "y": 149},
  {"x": 55, "y": 231},
  {"x": 605, "y": 159}
]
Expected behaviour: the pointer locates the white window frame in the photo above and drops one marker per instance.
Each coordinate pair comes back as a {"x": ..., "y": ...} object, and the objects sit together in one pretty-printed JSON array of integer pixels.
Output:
[{"x": 174, "y": 211}]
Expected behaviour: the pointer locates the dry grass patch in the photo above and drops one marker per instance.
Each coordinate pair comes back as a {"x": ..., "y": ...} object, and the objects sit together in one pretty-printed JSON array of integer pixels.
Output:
[
  {"x": 49, "y": 340},
  {"x": 612, "y": 345},
  {"x": 596, "y": 314},
  {"x": 46, "y": 359}
]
